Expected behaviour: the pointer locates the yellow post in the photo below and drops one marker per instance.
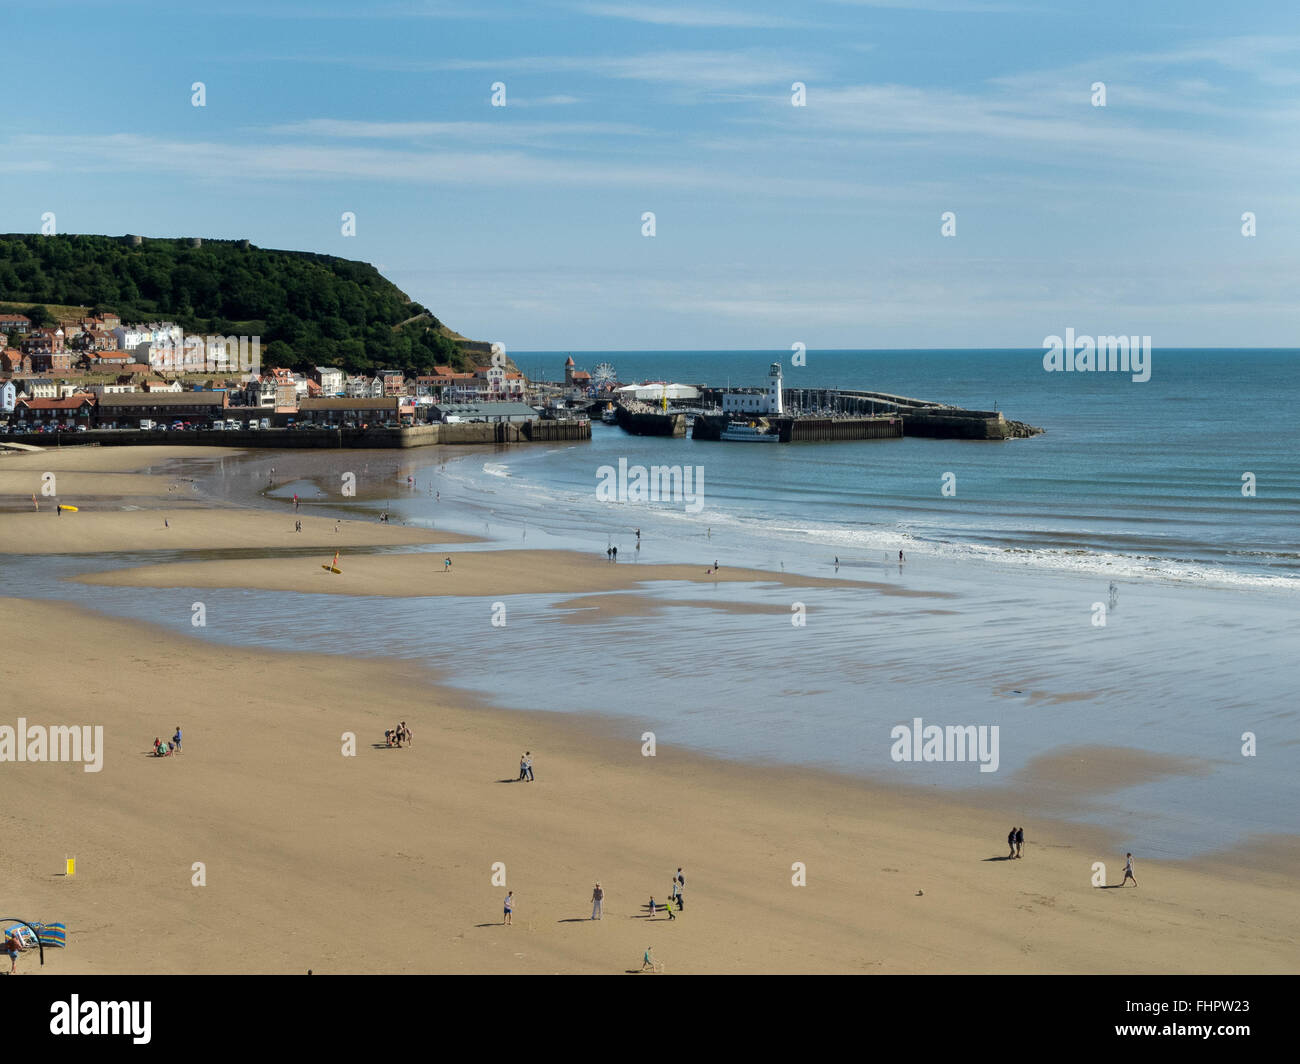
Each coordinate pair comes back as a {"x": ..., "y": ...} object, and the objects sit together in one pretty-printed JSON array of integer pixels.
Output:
[{"x": 72, "y": 866}]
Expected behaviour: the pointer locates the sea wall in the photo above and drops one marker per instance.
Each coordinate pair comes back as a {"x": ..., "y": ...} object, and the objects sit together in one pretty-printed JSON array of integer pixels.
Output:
[{"x": 417, "y": 436}]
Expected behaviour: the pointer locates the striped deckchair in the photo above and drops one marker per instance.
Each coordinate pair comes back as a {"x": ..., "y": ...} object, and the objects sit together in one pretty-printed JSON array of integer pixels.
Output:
[
  {"x": 24, "y": 934},
  {"x": 55, "y": 935}
]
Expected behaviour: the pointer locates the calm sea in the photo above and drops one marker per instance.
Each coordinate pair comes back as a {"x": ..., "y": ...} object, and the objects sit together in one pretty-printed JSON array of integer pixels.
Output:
[{"x": 1133, "y": 478}]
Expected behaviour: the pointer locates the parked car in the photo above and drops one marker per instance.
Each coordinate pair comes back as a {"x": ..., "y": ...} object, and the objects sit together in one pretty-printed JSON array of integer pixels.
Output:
[
  {"x": 266, "y": 422},
  {"x": 81, "y": 428}
]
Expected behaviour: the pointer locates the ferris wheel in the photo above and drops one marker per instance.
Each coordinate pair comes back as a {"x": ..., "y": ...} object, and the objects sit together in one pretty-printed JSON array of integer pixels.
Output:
[{"x": 604, "y": 374}]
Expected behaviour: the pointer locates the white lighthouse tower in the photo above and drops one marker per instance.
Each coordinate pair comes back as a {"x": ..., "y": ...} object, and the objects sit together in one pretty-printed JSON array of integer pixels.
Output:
[{"x": 774, "y": 405}]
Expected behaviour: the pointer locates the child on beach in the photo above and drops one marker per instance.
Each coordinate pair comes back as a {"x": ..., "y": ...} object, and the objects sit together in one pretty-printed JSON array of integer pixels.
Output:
[
  {"x": 647, "y": 961},
  {"x": 510, "y": 906},
  {"x": 652, "y": 906}
]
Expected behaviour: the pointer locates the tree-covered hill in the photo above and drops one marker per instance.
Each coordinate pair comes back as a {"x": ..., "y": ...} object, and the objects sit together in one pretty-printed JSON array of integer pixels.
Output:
[{"x": 308, "y": 309}]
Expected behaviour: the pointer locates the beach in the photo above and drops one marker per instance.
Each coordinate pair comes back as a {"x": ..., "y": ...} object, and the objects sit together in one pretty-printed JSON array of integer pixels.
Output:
[{"x": 319, "y": 847}]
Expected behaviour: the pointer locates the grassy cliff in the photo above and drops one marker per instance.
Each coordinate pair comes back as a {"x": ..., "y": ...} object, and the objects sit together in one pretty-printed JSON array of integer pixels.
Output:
[{"x": 309, "y": 309}]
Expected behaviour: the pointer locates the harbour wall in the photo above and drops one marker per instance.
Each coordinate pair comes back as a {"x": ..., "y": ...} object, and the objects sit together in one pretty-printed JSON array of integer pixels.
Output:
[{"x": 380, "y": 438}]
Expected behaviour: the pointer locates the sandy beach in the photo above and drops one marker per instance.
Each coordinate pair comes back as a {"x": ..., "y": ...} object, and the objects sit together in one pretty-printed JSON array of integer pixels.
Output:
[
  {"x": 499, "y": 572},
  {"x": 383, "y": 862}
]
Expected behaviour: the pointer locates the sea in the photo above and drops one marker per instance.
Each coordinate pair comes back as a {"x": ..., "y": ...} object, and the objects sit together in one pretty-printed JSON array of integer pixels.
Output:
[{"x": 1118, "y": 596}]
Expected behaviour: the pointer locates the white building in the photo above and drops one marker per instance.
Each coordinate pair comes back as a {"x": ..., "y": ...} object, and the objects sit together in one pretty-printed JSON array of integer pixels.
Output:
[
  {"x": 8, "y": 396},
  {"x": 766, "y": 402},
  {"x": 38, "y": 388},
  {"x": 112, "y": 389},
  {"x": 654, "y": 391},
  {"x": 330, "y": 379}
]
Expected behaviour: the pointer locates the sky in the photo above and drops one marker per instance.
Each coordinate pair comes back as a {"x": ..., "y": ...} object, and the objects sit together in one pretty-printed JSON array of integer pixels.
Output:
[{"x": 773, "y": 223}]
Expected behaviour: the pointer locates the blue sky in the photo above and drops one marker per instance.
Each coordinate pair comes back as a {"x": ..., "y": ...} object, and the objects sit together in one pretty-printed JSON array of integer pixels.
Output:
[{"x": 774, "y": 223}]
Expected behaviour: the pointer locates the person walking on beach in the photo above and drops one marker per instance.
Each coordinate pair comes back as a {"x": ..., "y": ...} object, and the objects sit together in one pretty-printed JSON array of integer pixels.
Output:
[
  {"x": 1020, "y": 842},
  {"x": 614, "y": 552},
  {"x": 597, "y": 902},
  {"x": 900, "y": 557},
  {"x": 681, "y": 891},
  {"x": 446, "y": 565},
  {"x": 668, "y": 905},
  {"x": 176, "y": 739},
  {"x": 510, "y": 905},
  {"x": 647, "y": 961},
  {"x": 528, "y": 764},
  {"x": 1128, "y": 871},
  {"x": 1011, "y": 842}
]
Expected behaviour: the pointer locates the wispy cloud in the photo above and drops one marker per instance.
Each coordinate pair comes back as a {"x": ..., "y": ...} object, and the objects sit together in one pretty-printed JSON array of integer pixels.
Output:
[
  {"x": 694, "y": 17},
  {"x": 503, "y": 132}
]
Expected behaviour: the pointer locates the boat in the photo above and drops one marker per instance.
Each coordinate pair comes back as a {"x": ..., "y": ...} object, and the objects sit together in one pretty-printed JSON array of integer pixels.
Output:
[
  {"x": 609, "y": 416},
  {"x": 747, "y": 432}
]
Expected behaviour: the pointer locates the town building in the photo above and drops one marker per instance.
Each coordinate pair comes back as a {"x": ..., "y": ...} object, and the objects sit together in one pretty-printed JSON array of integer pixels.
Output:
[
  {"x": 453, "y": 413},
  {"x": 76, "y": 409},
  {"x": 126, "y": 411},
  {"x": 330, "y": 379},
  {"x": 358, "y": 410}
]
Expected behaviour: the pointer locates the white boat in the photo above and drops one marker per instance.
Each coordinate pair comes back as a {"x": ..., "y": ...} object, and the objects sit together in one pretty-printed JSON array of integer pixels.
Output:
[
  {"x": 609, "y": 416},
  {"x": 747, "y": 433}
]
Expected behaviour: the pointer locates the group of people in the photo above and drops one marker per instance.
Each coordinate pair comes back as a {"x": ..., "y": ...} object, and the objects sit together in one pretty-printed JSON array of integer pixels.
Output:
[
  {"x": 162, "y": 748},
  {"x": 612, "y": 554},
  {"x": 1016, "y": 842},
  {"x": 397, "y": 736},
  {"x": 526, "y": 766},
  {"x": 676, "y": 896}
]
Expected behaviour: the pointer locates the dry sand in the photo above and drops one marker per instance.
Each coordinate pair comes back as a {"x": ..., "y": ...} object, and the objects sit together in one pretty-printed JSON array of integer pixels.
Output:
[{"x": 382, "y": 862}]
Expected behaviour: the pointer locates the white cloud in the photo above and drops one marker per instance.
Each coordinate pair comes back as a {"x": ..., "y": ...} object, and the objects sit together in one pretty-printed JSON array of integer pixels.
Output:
[{"x": 697, "y": 17}]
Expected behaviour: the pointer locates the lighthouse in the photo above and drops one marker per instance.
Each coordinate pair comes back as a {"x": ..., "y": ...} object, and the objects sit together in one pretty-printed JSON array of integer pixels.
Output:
[{"x": 774, "y": 405}]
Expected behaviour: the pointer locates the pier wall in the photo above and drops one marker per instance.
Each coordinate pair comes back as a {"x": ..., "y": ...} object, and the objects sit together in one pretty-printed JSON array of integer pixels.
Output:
[
  {"x": 650, "y": 424},
  {"x": 417, "y": 436},
  {"x": 816, "y": 429}
]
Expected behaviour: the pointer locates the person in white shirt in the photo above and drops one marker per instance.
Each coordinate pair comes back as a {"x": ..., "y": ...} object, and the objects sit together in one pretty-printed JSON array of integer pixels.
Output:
[{"x": 1128, "y": 871}]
